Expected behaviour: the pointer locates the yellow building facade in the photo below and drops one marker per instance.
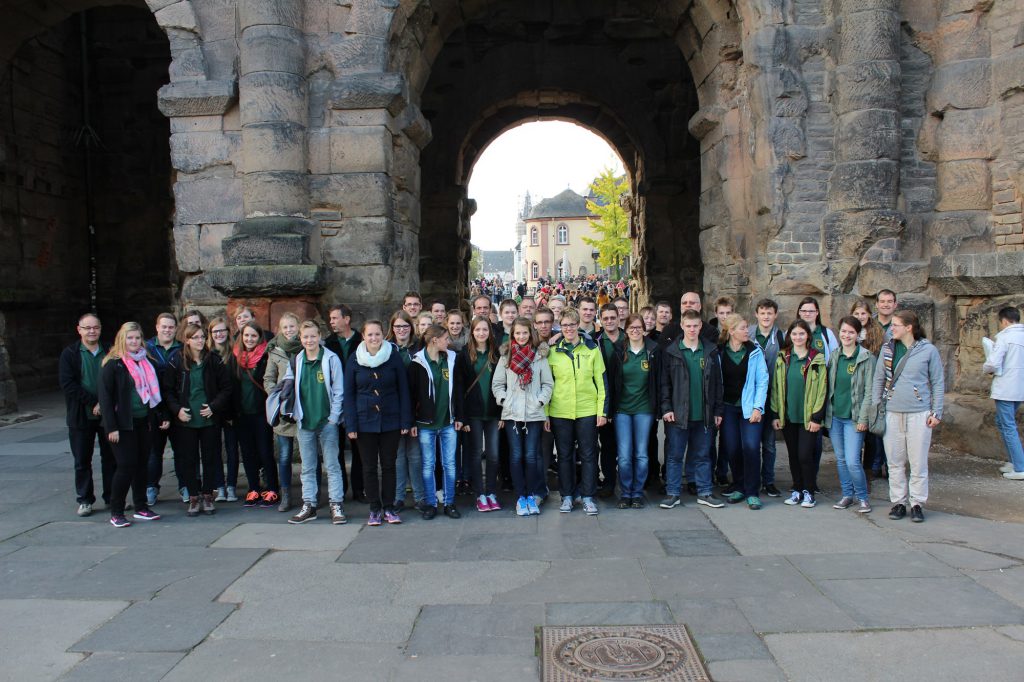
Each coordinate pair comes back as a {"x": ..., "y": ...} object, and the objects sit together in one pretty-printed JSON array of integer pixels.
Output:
[{"x": 553, "y": 244}]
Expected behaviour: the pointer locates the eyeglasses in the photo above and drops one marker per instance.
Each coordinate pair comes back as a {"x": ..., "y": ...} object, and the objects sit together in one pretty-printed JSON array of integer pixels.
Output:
[
  {"x": 401, "y": 326},
  {"x": 634, "y": 329},
  {"x": 569, "y": 325},
  {"x": 89, "y": 329},
  {"x": 215, "y": 332},
  {"x": 808, "y": 311}
]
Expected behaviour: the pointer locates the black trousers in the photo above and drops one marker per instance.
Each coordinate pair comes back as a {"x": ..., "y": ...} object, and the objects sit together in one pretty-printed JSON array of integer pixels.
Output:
[
  {"x": 654, "y": 467},
  {"x": 82, "y": 442},
  {"x": 800, "y": 446},
  {"x": 131, "y": 453},
  {"x": 609, "y": 455},
  {"x": 568, "y": 434},
  {"x": 379, "y": 449},
  {"x": 195, "y": 446},
  {"x": 353, "y": 475},
  {"x": 256, "y": 441}
]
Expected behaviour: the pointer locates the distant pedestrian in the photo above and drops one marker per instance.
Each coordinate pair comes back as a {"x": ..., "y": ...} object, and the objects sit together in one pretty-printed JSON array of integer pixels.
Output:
[{"x": 1006, "y": 363}]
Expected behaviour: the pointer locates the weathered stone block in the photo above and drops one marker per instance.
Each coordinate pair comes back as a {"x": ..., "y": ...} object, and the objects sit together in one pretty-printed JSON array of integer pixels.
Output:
[
  {"x": 211, "y": 255},
  {"x": 357, "y": 54},
  {"x": 869, "y": 35},
  {"x": 959, "y": 232},
  {"x": 967, "y": 134},
  {"x": 980, "y": 274},
  {"x": 192, "y": 152},
  {"x": 964, "y": 185},
  {"x": 186, "y": 247},
  {"x": 269, "y": 12},
  {"x": 369, "y": 91},
  {"x": 267, "y": 280},
  {"x": 355, "y": 194},
  {"x": 362, "y": 149},
  {"x": 869, "y": 134},
  {"x": 370, "y": 18},
  {"x": 863, "y": 185},
  {"x": 274, "y": 147},
  {"x": 275, "y": 193},
  {"x": 271, "y": 48},
  {"x": 961, "y": 37},
  {"x": 196, "y": 98},
  {"x": 179, "y": 15},
  {"x": 197, "y": 291},
  {"x": 845, "y": 8},
  {"x": 271, "y": 249},
  {"x": 359, "y": 284},
  {"x": 208, "y": 200},
  {"x": 271, "y": 97},
  {"x": 360, "y": 241},
  {"x": 848, "y": 235},
  {"x": 867, "y": 85},
  {"x": 1008, "y": 73},
  {"x": 961, "y": 85},
  {"x": 899, "y": 276}
]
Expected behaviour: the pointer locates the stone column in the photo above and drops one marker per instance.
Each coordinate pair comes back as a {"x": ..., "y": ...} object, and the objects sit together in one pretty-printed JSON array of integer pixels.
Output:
[
  {"x": 269, "y": 252},
  {"x": 864, "y": 186}
]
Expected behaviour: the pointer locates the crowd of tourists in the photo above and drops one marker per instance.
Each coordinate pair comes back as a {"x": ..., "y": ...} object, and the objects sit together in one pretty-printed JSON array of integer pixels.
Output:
[{"x": 506, "y": 404}]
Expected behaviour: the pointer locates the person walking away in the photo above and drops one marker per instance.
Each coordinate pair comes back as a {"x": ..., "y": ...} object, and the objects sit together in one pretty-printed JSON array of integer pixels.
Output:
[{"x": 1006, "y": 364}]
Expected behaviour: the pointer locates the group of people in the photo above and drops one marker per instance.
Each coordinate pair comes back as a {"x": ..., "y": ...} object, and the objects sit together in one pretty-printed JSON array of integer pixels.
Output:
[{"x": 439, "y": 403}]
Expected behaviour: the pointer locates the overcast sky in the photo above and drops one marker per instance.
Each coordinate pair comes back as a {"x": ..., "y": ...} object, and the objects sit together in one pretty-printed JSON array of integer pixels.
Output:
[{"x": 544, "y": 157}]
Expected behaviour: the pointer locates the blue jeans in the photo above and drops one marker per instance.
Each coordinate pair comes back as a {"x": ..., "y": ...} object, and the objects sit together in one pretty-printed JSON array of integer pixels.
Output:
[
  {"x": 693, "y": 442},
  {"x": 633, "y": 433},
  {"x": 428, "y": 439},
  {"x": 524, "y": 458},
  {"x": 284, "y": 460},
  {"x": 1006, "y": 422},
  {"x": 408, "y": 469},
  {"x": 741, "y": 445},
  {"x": 322, "y": 442},
  {"x": 847, "y": 441},
  {"x": 768, "y": 435}
]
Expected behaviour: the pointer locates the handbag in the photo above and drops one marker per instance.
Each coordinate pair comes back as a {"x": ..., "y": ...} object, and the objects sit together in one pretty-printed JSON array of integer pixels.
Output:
[{"x": 876, "y": 420}]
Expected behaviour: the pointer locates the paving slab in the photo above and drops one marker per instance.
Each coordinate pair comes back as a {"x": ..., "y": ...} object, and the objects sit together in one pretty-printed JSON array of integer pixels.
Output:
[
  {"x": 106, "y": 666},
  {"x": 164, "y": 624},
  {"x": 285, "y": 536},
  {"x": 713, "y": 616},
  {"x": 906, "y": 564},
  {"x": 939, "y": 655},
  {"x": 590, "y": 580},
  {"x": 1012, "y": 631},
  {"x": 96, "y": 530},
  {"x": 406, "y": 543},
  {"x": 464, "y": 582},
  {"x": 540, "y": 547},
  {"x": 981, "y": 534},
  {"x": 730, "y": 646},
  {"x": 232, "y": 660},
  {"x": 605, "y": 545},
  {"x": 965, "y": 558},
  {"x": 782, "y": 530},
  {"x": 694, "y": 543},
  {"x": 608, "y": 613},
  {"x": 499, "y": 522},
  {"x": 786, "y": 613},
  {"x": 1006, "y": 582},
  {"x": 481, "y": 668},
  {"x": 724, "y": 577},
  {"x": 759, "y": 669},
  {"x": 41, "y": 571},
  {"x": 654, "y": 518},
  {"x": 920, "y": 602},
  {"x": 36, "y": 633},
  {"x": 455, "y": 630}
]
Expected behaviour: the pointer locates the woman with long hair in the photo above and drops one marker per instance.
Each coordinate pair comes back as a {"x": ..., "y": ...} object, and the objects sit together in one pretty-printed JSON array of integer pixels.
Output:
[
  {"x": 408, "y": 465},
  {"x": 851, "y": 371},
  {"x": 798, "y": 407},
  {"x": 423, "y": 322},
  {"x": 129, "y": 396},
  {"x": 197, "y": 391},
  {"x": 872, "y": 336},
  {"x": 909, "y": 376},
  {"x": 247, "y": 368},
  {"x": 455, "y": 323},
  {"x": 218, "y": 340},
  {"x": 378, "y": 414},
  {"x": 745, "y": 390},
  {"x": 479, "y": 359},
  {"x": 280, "y": 351},
  {"x": 522, "y": 386}
]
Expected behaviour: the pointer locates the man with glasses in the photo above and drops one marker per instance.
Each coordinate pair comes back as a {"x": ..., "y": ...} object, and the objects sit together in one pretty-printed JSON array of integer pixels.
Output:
[
  {"x": 79, "y": 372},
  {"x": 412, "y": 303},
  {"x": 611, "y": 341},
  {"x": 622, "y": 308}
]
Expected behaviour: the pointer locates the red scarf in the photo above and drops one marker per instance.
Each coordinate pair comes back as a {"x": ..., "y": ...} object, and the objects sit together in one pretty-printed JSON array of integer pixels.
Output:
[
  {"x": 248, "y": 359},
  {"x": 520, "y": 361}
]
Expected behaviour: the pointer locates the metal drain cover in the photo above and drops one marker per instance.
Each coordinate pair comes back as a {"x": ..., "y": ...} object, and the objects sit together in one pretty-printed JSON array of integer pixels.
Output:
[{"x": 627, "y": 652}]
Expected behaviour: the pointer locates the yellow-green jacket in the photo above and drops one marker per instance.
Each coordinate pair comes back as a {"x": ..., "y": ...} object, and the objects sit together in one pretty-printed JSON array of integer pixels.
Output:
[
  {"x": 581, "y": 384},
  {"x": 815, "y": 387}
]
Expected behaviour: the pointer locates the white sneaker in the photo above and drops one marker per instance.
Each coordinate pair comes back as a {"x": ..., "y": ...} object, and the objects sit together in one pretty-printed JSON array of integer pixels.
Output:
[
  {"x": 589, "y": 506},
  {"x": 222, "y": 495},
  {"x": 85, "y": 509},
  {"x": 808, "y": 500},
  {"x": 566, "y": 505},
  {"x": 794, "y": 498},
  {"x": 232, "y": 496},
  {"x": 1014, "y": 475},
  {"x": 1006, "y": 468}
]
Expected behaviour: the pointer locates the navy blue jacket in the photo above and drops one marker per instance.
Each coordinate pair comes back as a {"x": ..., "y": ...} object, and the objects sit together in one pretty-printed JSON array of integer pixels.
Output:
[{"x": 377, "y": 399}]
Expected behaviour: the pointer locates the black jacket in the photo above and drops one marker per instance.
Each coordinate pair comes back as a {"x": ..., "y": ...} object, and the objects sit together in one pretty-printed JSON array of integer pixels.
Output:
[
  {"x": 612, "y": 363},
  {"x": 474, "y": 400},
  {"x": 237, "y": 375},
  {"x": 421, "y": 389},
  {"x": 333, "y": 343},
  {"x": 674, "y": 383},
  {"x": 115, "y": 387},
  {"x": 175, "y": 387},
  {"x": 673, "y": 331},
  {"x": 78, "y": 401},
  {"x": 615, "y": 378}
]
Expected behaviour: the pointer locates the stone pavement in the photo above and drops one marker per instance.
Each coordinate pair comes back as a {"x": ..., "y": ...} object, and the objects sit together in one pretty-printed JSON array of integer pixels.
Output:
[{"x": 783, "y": 593}]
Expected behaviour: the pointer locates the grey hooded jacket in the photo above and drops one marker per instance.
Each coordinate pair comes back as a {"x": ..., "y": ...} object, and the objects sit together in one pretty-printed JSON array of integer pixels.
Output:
[{"x": 921, "y": 385}]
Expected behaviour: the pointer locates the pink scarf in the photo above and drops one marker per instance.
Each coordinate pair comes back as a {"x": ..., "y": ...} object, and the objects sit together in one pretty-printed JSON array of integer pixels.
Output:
[{"x": 144, "y": 376}]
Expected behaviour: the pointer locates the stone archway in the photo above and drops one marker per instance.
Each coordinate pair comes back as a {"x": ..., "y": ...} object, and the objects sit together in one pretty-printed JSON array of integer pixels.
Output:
[{"x": 85, "y": 176}]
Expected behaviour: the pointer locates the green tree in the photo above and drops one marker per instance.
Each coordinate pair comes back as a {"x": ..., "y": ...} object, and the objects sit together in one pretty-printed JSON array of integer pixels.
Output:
[
  {"x": 611, "y": 224},
  {"x": 476, "y": 263}
]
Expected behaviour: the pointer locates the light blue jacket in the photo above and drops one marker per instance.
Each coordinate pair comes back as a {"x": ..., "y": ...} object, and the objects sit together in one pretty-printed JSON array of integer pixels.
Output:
[{"x": 755, "y": 389}]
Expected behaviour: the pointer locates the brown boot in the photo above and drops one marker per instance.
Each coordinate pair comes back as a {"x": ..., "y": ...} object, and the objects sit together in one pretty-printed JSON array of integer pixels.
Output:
[
  {"x": 194, "y": 505},
  {"x": 208, "y": 507}
]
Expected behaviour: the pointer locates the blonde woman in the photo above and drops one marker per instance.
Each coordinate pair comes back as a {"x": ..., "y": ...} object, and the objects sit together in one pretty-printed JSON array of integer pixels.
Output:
[{"x": 280, "y": 351}]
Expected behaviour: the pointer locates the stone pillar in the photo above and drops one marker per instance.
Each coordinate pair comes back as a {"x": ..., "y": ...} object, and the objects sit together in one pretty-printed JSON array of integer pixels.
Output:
[
  {"x": 864, "y": 186},
  {"x": 271, "y": 251},
  {"x": 8, "y": 391}
]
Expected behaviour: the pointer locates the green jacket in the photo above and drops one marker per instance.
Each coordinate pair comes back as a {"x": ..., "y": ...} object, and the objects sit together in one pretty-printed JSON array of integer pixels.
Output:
[
  {"x": 860, "y": 384},
  {"x": 581, "y": 384},
  {"x": 815, "y": 387}
]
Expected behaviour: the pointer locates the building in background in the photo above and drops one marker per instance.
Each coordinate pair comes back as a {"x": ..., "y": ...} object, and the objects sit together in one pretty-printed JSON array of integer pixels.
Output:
[{"x": 499, "y": 264}]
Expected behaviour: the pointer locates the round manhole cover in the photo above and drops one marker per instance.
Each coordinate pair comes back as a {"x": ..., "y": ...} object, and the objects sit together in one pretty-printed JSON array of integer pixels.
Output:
[{"x": 636, "y": 656}]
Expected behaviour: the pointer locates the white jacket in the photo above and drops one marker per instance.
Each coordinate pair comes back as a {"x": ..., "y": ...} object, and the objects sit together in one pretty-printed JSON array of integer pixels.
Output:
[{"x": 1007, "y": 364}]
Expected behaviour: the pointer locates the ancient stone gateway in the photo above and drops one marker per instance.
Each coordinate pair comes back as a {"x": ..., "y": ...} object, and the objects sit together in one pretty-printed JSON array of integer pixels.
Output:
[{"x": 321, "y": 149}]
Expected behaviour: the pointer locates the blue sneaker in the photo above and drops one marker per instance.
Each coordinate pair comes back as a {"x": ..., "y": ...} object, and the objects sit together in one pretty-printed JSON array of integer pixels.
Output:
[
  {"x": 151, "y": 495},
  {"x": 532, "y": 506},
  {"x": 522, "y": 509}
]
